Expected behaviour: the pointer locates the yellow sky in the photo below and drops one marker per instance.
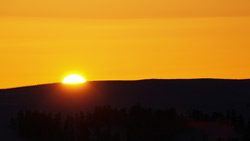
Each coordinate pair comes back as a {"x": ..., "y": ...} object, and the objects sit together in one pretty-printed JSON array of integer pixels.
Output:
[
  {"x": 42, "y": 41},
  {"x": 124, "y": 8}
]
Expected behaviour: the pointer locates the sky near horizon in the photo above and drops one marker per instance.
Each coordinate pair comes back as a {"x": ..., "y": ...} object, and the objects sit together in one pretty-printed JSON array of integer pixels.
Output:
[{"x": 43, "y": 41}]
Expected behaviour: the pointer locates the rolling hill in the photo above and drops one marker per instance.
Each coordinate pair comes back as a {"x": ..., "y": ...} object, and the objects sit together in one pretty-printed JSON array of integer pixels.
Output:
[{"x": 208, "y": 95}]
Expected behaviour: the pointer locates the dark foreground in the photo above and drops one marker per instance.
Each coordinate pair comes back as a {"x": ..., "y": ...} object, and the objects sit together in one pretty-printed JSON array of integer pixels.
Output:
[
  {"x": 201, "y": 109},
  {"x": 138, "y": 123}
]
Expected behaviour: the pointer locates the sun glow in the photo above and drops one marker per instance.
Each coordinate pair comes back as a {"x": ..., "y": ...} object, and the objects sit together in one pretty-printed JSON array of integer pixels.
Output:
[{"x": 74, "y": 79}]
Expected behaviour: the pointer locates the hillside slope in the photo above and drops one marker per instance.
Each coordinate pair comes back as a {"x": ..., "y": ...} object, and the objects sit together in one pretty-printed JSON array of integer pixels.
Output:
[{"x": 208, "y": 95}]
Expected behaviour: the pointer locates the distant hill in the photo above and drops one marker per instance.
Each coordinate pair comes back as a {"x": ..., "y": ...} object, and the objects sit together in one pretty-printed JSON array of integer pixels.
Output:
[
  {"x": 204, "y": 94},
  {"x": 208, "y": 95}
]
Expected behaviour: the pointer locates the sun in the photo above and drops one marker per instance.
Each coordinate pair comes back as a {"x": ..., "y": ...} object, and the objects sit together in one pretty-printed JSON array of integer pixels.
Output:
[{"x": 74, "y": 79}]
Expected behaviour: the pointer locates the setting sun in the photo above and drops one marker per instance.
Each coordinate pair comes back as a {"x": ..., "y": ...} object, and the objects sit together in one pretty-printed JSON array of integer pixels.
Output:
[{"x": 74, "y": 79}]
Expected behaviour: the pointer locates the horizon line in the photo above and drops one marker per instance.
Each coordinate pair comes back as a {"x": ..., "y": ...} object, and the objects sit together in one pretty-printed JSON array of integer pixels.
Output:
[{"x": 150, "y": 79}]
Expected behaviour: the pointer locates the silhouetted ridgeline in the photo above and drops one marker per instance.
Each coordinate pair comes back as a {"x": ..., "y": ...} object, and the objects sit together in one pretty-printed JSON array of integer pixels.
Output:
[{"x": 206, "y": 95}]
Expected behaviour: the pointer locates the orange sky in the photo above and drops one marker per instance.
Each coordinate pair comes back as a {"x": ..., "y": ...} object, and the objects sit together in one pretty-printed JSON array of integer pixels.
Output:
[{"x": 42, "y": 41}]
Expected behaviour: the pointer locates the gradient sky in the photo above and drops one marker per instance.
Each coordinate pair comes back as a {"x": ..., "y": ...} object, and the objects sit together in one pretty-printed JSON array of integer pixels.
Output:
[{"x": 43, "y": 41}]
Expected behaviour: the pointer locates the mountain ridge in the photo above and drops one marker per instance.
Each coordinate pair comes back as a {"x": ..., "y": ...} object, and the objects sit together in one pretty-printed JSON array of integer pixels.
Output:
[
  {"x": 152, "y": 79},
  {"x": 185, "y": 95}
]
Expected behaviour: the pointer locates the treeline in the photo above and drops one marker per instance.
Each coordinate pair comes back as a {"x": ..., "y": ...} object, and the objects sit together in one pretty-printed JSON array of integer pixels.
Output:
[{"x": 109, "y": 124}]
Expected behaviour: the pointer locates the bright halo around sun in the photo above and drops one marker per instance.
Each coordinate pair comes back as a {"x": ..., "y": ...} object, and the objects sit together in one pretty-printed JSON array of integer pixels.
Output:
[{"x": 74, "y": 79}]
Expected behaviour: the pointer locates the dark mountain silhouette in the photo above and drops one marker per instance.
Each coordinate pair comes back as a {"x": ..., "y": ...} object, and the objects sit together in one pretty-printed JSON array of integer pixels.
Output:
[
  {"x": 204, "y": 94},
  {"x": 209, "y": 95}
]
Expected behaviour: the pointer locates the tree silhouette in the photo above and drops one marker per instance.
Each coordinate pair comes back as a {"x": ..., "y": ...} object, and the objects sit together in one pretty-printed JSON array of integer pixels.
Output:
[{"x": 109, "y": 124}]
